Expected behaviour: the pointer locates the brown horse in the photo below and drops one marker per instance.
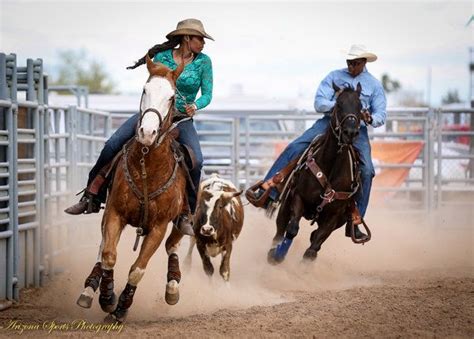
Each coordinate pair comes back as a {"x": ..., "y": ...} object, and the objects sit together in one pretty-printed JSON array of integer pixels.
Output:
[
  {"x": 325, "y": 181},
  {"x": 148, "y": 191}
]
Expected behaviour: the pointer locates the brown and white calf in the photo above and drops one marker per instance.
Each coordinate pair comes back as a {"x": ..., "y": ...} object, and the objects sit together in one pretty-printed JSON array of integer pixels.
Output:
[{"x": 218, "y": 222}]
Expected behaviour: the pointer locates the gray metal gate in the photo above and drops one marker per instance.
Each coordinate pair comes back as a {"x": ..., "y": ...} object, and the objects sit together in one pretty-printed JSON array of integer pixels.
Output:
[{"x": 45, "y": 155}]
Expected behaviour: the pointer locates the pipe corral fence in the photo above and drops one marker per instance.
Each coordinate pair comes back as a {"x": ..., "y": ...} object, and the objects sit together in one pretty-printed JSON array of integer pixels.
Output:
[{"x": 46, "y": 152}]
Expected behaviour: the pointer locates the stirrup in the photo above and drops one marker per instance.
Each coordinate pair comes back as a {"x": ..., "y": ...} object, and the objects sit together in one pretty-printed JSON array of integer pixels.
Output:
[
  {"x": 258, "y": 200},
  {"x": 87, "y": 204},
  {"x": 184, "y": 224},
  {"x": 357, "y": 236}
]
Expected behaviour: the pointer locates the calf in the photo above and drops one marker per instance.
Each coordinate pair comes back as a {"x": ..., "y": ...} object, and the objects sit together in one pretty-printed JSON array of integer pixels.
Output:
[{"x": 218, "y": 222}]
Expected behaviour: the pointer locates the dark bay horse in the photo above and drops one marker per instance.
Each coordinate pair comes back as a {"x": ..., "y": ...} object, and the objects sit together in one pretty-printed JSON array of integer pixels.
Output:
[
  {"x": 148, "y": 191},
  {"x": 322, "y": 187}
]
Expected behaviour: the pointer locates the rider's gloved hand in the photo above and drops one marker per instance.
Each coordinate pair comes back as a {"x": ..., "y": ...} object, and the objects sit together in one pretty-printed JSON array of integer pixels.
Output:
[
  {"x": 191, "y": 109},
  {"x": 366, "y": 116}
]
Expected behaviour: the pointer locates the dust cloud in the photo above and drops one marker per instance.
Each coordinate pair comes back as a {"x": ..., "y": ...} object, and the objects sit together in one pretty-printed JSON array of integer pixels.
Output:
[{"x": 402, "y": 240}]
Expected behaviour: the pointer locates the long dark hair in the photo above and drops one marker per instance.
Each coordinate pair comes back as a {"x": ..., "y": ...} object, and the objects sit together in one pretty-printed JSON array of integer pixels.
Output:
[{"x": 171, "y": 43}]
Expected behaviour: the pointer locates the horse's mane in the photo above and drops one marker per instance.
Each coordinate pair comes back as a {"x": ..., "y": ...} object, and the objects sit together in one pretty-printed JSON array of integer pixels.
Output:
[
  {"x": 160, "y": 71},
  {"x": 347, "y": 88}
]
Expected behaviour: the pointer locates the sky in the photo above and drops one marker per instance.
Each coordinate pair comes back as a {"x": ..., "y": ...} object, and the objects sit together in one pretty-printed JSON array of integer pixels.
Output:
[{"x": 268, "y": 49}]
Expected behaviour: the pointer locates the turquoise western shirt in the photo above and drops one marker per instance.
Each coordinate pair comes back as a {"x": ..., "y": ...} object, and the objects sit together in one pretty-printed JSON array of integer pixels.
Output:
[{"x": 196, "y": 75}]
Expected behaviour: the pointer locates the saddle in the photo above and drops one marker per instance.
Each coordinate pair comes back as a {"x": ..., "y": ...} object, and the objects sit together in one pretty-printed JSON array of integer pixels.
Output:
[
  {"x": 278, "y": 181},
  {"x": 104, "y": 179},
  {"x": 281, "y": 181}
]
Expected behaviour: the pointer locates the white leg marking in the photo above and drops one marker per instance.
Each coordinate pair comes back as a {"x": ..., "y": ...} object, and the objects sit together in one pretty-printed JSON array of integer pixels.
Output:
[
  {"x": 173, "y": 249},
  {"x": 135, "y": 276},
  {"x": 88, "y": 292},
  {"x": 172, "y": 287},
  {"x": 106, "y": 267}
]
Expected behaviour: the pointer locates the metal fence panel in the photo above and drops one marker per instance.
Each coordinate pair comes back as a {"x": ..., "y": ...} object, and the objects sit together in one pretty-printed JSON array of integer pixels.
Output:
[
  {"x": 454, "y": 153},
  {"x": 47, "y": 152}
]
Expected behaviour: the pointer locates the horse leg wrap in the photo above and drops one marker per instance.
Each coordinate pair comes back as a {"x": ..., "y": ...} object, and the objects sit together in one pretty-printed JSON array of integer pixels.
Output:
[
  {"x": 292, "y": 230},
  {"x": 282, "y": 249},
  {"x": 107, "y": 295},
  {"x": 173, "y": 268},
  {"x": 93, "y": 280},
  {"x": 126, "y": 298}
]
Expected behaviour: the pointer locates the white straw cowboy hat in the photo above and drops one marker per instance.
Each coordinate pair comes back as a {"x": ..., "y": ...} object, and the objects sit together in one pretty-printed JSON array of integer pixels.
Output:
[
  {"x": 360, "y": 51},
  {"x": 189, "y": 27}
]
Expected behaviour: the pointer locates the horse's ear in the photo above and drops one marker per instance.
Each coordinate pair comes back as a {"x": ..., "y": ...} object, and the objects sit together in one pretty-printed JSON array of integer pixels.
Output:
[
  {"x": 334, "y": 86},
  {"x": 359, "y": 88},
  {"x": 149, "y": 64},
  {"x": 177, "y": 72}
]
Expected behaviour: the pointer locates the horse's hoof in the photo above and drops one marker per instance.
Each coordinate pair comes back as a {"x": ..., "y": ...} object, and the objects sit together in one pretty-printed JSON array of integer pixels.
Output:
[
  {"x": 272, "y": 260},
  {"x": 84, "y": 301},
  {"x": 113, "y": 318},
  {"x": 225, "y": 276},
  {"x": 86, "y": 297},
  {"x": 172, "y": 292},
  {"x": 108, "y": 304},
  {"x": 310, "y": 255}
]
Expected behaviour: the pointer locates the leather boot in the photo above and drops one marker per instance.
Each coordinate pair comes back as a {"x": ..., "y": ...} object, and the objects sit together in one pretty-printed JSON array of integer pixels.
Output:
[
  {"x": 88, "y": 204},
  {"x": 253, "y": 196},
  {"x": 184, "y": 224},
  {"x": 358, "y": 234}
]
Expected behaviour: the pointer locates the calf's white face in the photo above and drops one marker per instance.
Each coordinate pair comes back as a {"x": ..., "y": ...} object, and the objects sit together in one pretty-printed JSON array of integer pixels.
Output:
[{"x": 212, "y": 207}]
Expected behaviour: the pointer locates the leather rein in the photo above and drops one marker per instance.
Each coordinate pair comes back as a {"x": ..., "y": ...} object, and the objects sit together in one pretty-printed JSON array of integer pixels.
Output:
[
  {"x": 330, "y": 194},
  {"x": 144, "y": 197}
]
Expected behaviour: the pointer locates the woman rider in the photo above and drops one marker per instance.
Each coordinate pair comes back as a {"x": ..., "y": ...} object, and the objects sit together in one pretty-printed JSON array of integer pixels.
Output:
[{"x": 184, "y": 44}]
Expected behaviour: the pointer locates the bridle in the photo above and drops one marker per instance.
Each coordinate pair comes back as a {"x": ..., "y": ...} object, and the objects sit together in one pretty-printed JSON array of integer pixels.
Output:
[
  {"x": 337, "y": 130},
  {"x": 163, "y": 130},
  {"x": 160, "y": 136}
]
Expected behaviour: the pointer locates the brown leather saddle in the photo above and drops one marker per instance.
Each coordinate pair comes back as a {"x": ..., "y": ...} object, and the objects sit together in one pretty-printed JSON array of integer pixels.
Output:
[
  {"x": 281, "y": 181},
  {"x": 105, "y": 177}
]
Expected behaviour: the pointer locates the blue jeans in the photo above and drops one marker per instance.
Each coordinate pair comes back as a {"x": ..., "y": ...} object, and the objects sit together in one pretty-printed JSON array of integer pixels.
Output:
[
  {"x": 187, "y": 136},
  {"x": 361, "y": 143}
]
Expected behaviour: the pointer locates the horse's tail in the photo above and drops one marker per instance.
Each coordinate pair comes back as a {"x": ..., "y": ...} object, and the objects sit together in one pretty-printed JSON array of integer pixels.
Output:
[
  {"x": 270, "y": 210},
  {"x": 283, "y": 217}
]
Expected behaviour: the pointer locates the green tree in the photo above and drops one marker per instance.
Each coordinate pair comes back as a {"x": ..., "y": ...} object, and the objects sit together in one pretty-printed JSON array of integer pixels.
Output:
[
  {"x": 451, "y": 97},
  {"x": 390, "y": 85},
  {"x": 76, "y": 68}
]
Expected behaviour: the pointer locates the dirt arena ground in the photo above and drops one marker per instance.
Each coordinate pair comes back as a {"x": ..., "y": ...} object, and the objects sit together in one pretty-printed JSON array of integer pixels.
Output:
[{"x": 414, "y": 279}]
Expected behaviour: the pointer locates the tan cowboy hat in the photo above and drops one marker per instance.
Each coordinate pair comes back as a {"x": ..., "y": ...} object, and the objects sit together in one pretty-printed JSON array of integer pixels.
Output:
[
  {"x": 360, "y": 51},
  {"x": 189, "y": 27}
]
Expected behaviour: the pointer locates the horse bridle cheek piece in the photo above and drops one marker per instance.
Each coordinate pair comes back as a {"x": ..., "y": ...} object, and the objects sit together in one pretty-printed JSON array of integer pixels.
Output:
[
  {"x": 144, "y": 197},
  {"x": 337, "y": 131},
  {"x": 330, "y": 194}
]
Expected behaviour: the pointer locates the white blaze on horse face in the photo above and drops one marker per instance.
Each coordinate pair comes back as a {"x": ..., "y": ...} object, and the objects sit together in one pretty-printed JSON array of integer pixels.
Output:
[{"x": 157, "y": 94}]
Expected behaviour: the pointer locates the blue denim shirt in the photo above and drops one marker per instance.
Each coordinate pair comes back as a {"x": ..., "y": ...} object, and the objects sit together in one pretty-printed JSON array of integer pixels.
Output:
[{"x": 372, "y": 96}]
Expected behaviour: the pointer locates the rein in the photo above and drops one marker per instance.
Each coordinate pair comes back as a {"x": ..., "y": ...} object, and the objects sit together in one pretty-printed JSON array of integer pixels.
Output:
[
  {"x": 145, "y": 197},
  {"x": 337, "y": 131},
  {"x": 330, "y": 194}
]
